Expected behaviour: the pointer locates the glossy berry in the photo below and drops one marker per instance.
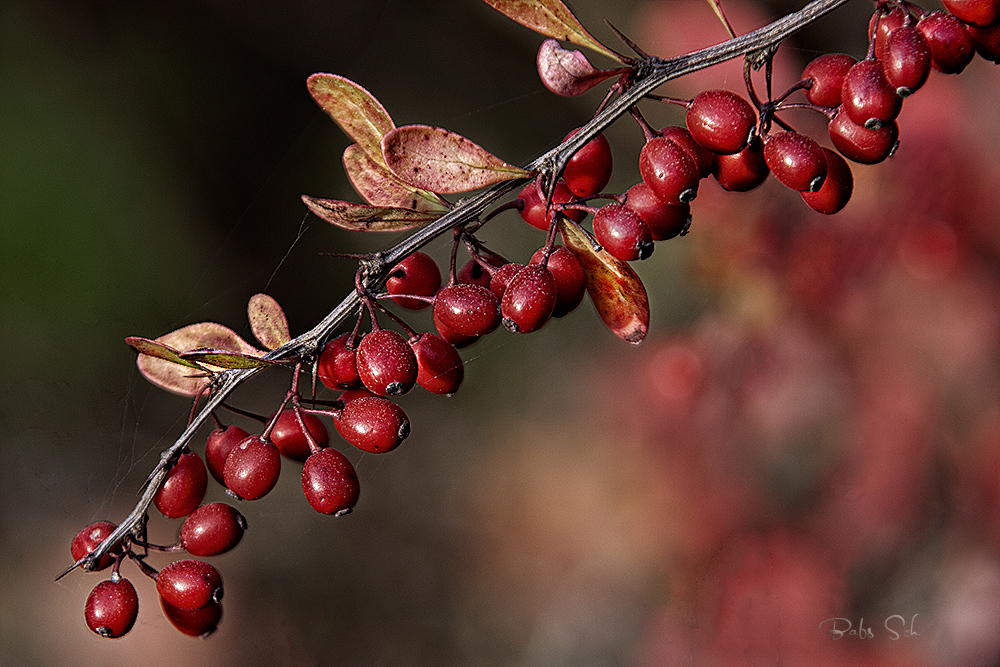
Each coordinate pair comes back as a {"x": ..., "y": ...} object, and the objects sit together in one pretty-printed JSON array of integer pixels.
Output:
[
  {"x": 90, "y": 538},
  {"x": 417, "y": 274},
  {"x": 288, "y": 436},
  {"x": 221, "y": 441},
  {"x": 701, "y": 156},
  {"x": 951, "y": 45},
  {"x": 252, "y": 468},
  {"x": 907, "y": 60},
  {"x": 987, "y": 42},
  {"x": 330, "y": 483},
  {"x": 212, "y": 529},
  {"x": 452, "y": 336},
  {"x": 503, "y": 276},
  {"x": 373, "y": 424},
  {"x": 669, "y": 171},
  {"x": 795, "y": 160},
  {"x": 827, "y": 74},
  {"x": 861, "y": 144},
  {"x": 112, "y": 608},
  {"x": 474, "y": 273},
  {"x": 184, "y": 488},
  {"x": 837, "y": 186},
  {"x": 439, "y": 367},
  {"x": 469, "y": 310},
  {"x": 571, "y": 282},
  {"x": 198, "y": 622},
  {"x": 529, "y": 299},
  {"x": 665, "y": 221},
  {"x": 867, "y": 96},
  {"x": 883, "y": 24},
  {"x": 589, "y": 170},
  {"x": 979, "y": 13},
  {"x": 743, "y": 171},
  {"x": 622, "y": 232},
  {"x": 337, "y": 367},
  {"x": 533, "y": 208},
  {"x": 721, "y": 121},
  {"x": 189, "y": 584},
  {"x": 386, "y": 363}
]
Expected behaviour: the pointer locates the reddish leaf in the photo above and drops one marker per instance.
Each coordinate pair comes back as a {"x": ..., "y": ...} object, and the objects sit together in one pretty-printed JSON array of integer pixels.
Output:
[
  {"x": 226, "y": 359},
  {"x": 267, "y": 321},
  {"x": 354, "y": 109},
  {"x": 567, "y": 72},
  {"x": 364, "y": 218},
  {"x": 380, "y": 187},
  {"x": 551, "y": 18},
  {"x": 438, "y": 160},
  {"x": 615, "y": 289}
]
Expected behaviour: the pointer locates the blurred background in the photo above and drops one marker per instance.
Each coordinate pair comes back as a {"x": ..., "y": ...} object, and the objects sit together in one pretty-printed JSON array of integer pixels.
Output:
[{"x": 810, "y": 431}]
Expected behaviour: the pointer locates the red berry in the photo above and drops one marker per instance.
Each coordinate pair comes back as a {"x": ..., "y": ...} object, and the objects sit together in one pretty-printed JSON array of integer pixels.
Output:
[
  {"x": 795, "y": 160},
  {"x": 887, "y": 24},
  {"x": 987, "y": 42},
  {"x": 472, "y": 272},
  {"x": 979, "y": 13},
  {"x": 288, "y": 436},
  {"x": 184, "y": 488},
  {"x": 951, "y": 44},
  {"x": 907, "y": 60},
  {"x": 221, "y": 441},
  {"x": 743, "y": 171},
  {"x": 212, "y": 529},
  {"x": 439, "y": 367},
  {"x": 374, "y": 424},
  {"x": 330, "y": 483},
  {"x": 417, "y": 274},
  {"x": 589, "y": 170},
  {"x": 189, "y": 584},
  {"x": 194, "y": 622},
  {"x": 252, "y": 468},
  {"x": 665, "y": 221},
  {"x": 701, "y": 156},
  {"x": 533, "y": 208},
  {"x": 90, "y": 538},
  {"x": 469, "y": 310},
  {"x": 529, "y": 299},
  {"x": 861, "y": 144},
  {"x": 721, "y": 121},
  {"x": 386, "y": 363},
  {"x": 452, "y": 336},
  {"x": 827, "y": 73},
  {"x": 837, "y": 187},
  {"x": 503, "y": 276},
  {"x": 867, "y": 96},
  {"x": 622, "y": 232},
  {"x": 668, "y": 170},
  {"x": 568, "y": 273},
  {"x": 112, "y": 608},
  {"x": 337, "y": 367}
]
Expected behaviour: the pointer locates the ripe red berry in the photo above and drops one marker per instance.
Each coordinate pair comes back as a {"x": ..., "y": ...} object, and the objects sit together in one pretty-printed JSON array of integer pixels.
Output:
[
  {"x": 330, "y": 483},
  {"x": 721, "y": 121},
  {"x": 837, "y": 187},
  {"x": 112, "y": 608},
  {"x": 373, "y": 424},
  {"x": 439, "y": 367},
  {"x": 90, "y": 538},
  {"x": 887, "y": 22},
  {"x": 669, "y": 171},
  {"x": 571, "y": 282},
  {"x": 861, "y": 144},
  {"x": 212, "y": 529},
  {"x": 252, "y": 468},
  {"x": 503, "y": 276},
  {"x": 589, "y": 170},
  {"x": 795, "y": 160},
  {"x": 743, "y": 171},
  {"x": 529, "y": 299},
  {"x": 199, "y": 622},
  {"x": 337, "y": 367},
  {"x": 386, "y": 363},
  {"x": 469, "y": 310},
  {"x": 987, "y": 41},
  {"x": 979, "y": 13},
  {"x": 622, "y": 232},
  {"x": 189, "y": 584},
  {"x": 665, "y": 221},
  {"x": 288, "y": 436},
  {"x": 184, "y": 488},
  {"x": 452, "y": 336},
  {"x": 417, "y": 274},
  {"x": 867, "y": 96},
  {"x": 907, "y": 60},
  {"x": 533, "y": 207},
  {"x": 221, "y": 441},
  {"x": 701, "y": 156},
  {"x": 827, "y": 73},
  {"x": 951, "y": 44}
]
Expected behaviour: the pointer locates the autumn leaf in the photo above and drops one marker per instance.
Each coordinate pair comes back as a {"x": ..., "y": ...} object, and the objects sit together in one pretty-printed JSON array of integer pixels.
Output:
[
  {"x": 380, "y": 187},
  {"x": 267, "y": 321},
  {"x": 354, "y": 109},
  {"x": 366, "y": 218},
  {"x": 551, "y": 18}
]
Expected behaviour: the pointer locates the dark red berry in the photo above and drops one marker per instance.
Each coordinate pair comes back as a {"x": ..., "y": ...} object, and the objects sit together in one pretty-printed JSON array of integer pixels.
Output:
[
  {"x": 386, "y": 363},
  {"x": 374, "y": 424},
  {"x": 622, "y": 232},
  {"x": 867, "y": 96},
  {"x": 721, "y": 121},
  {"x": 417, "y": 274},
  {"x": 472, "y": 272},
  {"x": 887, "y": 22},
  {"x": 529, "y": 299},
  {"x": 827, "y": 74},
  {"x": 907, "y": 60},
  {"x": 194, "y": 622},
  {"x": 665, "y": 221},
  {"x": 979, "y": 13},
  {"x": 330, "y": 483},
  {"x": 952, "y": 48},
  {"x": 90, "y": 538},
  {"x": 837, "y": 187},
  {"x": 669, "y": 171},
  {"x": 571, "y": 282},
  {"x": 288, "y": 436},
  {"x": 743, "y": 171},
  {"x": 452, "y": 336},
  {"x": 337, "y": 367},
  {"x": 533, "y": 208},
  {"x": 221, "y": 441},
  {"x": 439, "y": 367},
  {"x": 502, "y": 278},
  {"x": 252, "y": 468},
  {"x": 701, "y": 156},
  {"x": 212, "y": 529},
  {"x": 112, "y": 608},
  {"x": 795, "y": 160},
  {"x": 861, "y": 144},
  {"x": 184, "y": 488},
  {"x": 469, "y": 310},
  {"x": 987, "y": 42},
  {"x": 189, "y": 584},
  {"x": 589, "y": 170}
]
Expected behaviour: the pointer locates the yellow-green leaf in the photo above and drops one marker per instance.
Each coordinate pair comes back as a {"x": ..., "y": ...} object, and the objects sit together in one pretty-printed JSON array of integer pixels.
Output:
[
  {"x": 354, "y": 109},
  {"x": 551, "y": 18},
  {"x": 365, "y": 218}
]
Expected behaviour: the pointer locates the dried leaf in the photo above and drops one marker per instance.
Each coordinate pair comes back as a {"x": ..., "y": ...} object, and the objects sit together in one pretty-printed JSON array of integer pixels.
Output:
[
  {"x": 268, "y": 321},
  {"x": 615, "y": 289},
  {"x": 439, "y": 160},
  {"x": 160, "y": 351},
  {"x": 226, "y": 359},
  {"x": 568, "y": 72},
  {"x": 380, "y": 187},
  {"x": 553, "y": 19},
  {"x": 354, "y": 109},
  {"x": 364, "y": 218}
]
